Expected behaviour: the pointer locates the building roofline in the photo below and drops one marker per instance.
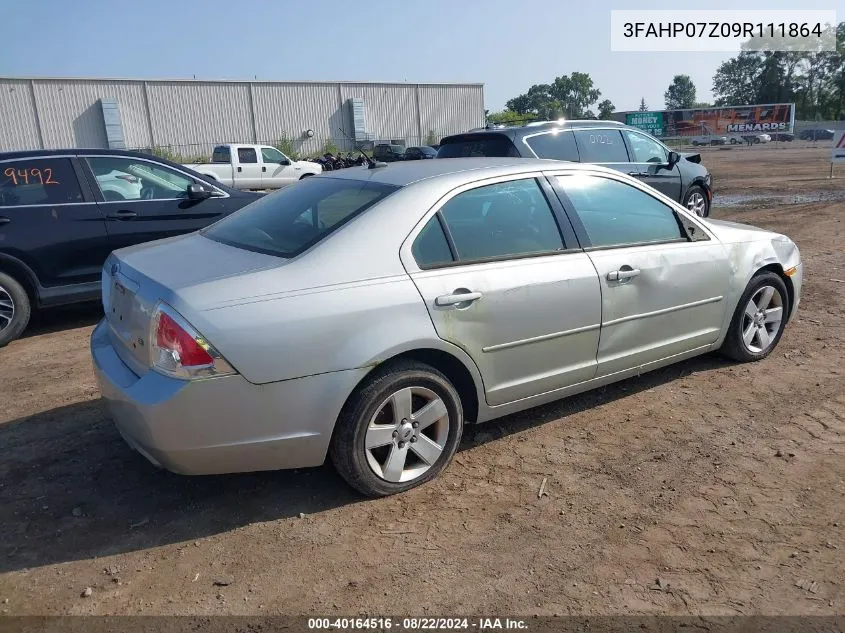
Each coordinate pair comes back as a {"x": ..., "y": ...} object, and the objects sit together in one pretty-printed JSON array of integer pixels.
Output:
[{"x": 239, "y": 81}]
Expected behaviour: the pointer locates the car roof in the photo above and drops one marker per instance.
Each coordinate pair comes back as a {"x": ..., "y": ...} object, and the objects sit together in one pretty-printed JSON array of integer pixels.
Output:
[
  {"x": 537, "y": 127},
  {"x": 401, "y": 174}
]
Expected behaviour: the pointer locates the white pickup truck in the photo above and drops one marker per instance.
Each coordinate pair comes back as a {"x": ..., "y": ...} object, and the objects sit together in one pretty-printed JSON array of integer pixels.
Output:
[{"x": 254, "y": 167}]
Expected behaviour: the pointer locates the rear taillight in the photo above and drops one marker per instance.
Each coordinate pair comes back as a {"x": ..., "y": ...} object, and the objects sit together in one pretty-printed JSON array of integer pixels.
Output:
[{"x": 178, "y": 350}]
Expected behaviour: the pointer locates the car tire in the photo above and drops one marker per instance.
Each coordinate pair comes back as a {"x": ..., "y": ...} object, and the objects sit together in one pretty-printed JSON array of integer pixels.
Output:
[
  {"x": 734, "y": 141},
  {"x": 15, "y": 309},
  {"x": 696, "y": 201},
  {"x": 765, "y": 299},
  {"x": 380, "y": 447}
]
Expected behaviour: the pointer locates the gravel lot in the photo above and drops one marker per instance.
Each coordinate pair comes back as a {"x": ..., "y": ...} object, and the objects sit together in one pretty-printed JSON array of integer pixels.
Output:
[{"x": 726, "y": 482}]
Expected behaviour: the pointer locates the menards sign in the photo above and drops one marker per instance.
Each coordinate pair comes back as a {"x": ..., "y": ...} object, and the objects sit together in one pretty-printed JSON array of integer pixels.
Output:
[{"x": 722, "y": 121}]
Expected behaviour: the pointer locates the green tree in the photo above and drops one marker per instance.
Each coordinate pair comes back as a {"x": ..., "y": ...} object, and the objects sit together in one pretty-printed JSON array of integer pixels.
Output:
[
  {"x": 568, "y": 96},
  {"x": 736, "y": 81},
  {"x": 643, "y": 106},
  {"x": 606, "y": 108},
  {"x": 680, "y": 94},
  {"x": 509, "y": 117}
]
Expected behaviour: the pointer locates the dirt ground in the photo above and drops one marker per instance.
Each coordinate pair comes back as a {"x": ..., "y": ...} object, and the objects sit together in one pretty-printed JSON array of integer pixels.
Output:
[{"x": 725, "y": 481}]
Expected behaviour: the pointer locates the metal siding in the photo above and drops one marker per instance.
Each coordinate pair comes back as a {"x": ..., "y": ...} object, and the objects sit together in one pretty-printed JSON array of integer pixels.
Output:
[
  {"x": 71, "y": 116},
  {"x": 289, "y": 109},
  {"x": 194, "y": 116},
  {"x": 391, "y": 110},
  {"x": 113, "y": 123},
  {"x": 18, "y": 127},
  {"x": 450, "y": 109}
]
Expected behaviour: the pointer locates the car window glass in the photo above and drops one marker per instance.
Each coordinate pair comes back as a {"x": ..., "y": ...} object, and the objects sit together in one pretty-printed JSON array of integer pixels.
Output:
[
  {"x": 509, "y": 218},
  {"x": 558, "y": 145},
  {"x": 38, "y": 181},
  {"x": 272, "y": 155},
  {"x": 480, "y": 145},
  {"x": 615, "y": 213},
  {"x": 289, "y": 221},
  {"x": 247, "y": 155},
  {"x": 120, "y": 178},
  {"x": 431, "y": 248},
  {"x": 601, "y": 146},
  {"x": 646, "y": 150},
  {"x": 221, "y": 154}
]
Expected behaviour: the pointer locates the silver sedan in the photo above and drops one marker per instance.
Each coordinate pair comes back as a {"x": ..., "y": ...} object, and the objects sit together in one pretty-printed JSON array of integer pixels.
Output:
[{"x": 368, "y": 314}]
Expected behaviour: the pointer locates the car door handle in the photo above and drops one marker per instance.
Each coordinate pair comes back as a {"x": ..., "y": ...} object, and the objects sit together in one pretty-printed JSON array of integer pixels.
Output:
[
  {"x": 240, "y": 169},
  {"x": 456, "y": 298},
  {"x": 4, "y": 220},
  {"x": 623, "y": 274},
  {"x": 637, "y": 173},
  {"x": 263, "y": 168},
  {"x": 122, "y": 215}
]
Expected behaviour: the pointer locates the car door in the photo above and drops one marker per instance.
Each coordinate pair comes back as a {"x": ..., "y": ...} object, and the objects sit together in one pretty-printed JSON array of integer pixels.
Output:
[
  {"x": 247, "y": 168},
  {"x": 144, "y": 200},
  {"x": 50, "y": 221},
  {"x": 502, "y": 276},
  {"x": 650, "y": 159},
  {"x": 663, "y": 285},
  {"x": 277, "y": 170}
]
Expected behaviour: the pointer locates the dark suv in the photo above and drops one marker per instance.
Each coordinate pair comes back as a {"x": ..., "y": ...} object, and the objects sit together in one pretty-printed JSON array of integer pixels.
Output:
[
  {"x": 388, "y": 153},
  {"x": 63, "y": 211},
  {"x": 608, "y": 143}
]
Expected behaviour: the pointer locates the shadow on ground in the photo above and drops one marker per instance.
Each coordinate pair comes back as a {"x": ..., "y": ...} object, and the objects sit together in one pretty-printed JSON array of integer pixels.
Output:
[
  {"x": 71, "y": 489},
  {"x": 64, "y": 318}
]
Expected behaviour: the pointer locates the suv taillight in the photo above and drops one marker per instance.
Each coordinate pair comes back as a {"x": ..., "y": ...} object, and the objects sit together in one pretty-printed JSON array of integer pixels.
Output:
[{"x": 179, "y": 351}]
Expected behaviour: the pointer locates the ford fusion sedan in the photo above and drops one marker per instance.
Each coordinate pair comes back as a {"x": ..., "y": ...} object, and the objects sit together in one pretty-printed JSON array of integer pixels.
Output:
[{"x": 367, "y": 316}]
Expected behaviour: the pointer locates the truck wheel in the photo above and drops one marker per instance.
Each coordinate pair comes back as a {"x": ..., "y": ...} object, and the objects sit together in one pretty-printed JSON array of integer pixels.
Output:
[{"x": 14, "y": 309}]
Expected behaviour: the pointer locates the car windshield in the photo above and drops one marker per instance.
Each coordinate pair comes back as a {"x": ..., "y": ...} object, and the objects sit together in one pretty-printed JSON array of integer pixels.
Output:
[
  {"x": 292, "y": 220},
  {"x": 480, "y": 145}
]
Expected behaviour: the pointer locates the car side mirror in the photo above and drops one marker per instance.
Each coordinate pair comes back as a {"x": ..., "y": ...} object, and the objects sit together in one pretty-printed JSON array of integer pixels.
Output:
[
  {"x": 198, "y": 192},
  {"x": 674, "y": 159},
  {"x": 284, "y": 161}
]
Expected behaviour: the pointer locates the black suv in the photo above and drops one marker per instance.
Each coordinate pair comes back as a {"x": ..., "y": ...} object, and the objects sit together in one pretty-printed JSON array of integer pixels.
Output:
[
  {"x": 63, "y": 211},
  {"x": 608, "y": 143},
  {"x": 388, "y": 153}
]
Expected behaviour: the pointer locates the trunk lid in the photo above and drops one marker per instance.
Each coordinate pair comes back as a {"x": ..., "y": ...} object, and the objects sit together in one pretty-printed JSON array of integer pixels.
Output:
[{"x": 135, "y": 279}]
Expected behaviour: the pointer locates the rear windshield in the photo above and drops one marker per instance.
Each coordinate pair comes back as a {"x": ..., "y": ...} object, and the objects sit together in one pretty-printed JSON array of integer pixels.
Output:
[
  {"x": 292, "y": 220},
  {"x": 479, "y": 145}
]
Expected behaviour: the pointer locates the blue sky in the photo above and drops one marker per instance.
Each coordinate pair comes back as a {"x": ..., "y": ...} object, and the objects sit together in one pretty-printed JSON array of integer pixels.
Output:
[{"x": 379, "y": 40}]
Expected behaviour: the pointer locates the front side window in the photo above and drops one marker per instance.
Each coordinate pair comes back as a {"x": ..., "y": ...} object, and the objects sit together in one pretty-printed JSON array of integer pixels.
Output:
[
  {"x": 601, "y": 146},
  {"x": 557, "y": 145},
  {"x": 614, "y": 213},
  {"x": 120, "y": 178},
  {"x": 247, "y": 155},
  {"x": 646, "y": 150},
  {"x": 38, "y": 181},
  {"x": 292, "y": 220},
  {"x": 478, "y": 145},
  {"x": 508, "y": 218},
  {"x": 272, "y": 155}
]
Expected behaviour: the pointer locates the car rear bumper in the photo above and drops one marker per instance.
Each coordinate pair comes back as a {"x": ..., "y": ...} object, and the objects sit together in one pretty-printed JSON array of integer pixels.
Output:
[{"x": 220, "y": 425}]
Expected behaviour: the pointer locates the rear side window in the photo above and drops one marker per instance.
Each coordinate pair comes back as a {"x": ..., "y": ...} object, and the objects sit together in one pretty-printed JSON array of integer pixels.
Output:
[
  {"x": 508, "y": 218},
  {"x": 247, "y": 155},
  {"x": 477, "y": 145},
  {"x": 558, "y": 145},
  {"x": 38, "y": 181},
  {"x": 614, "y": 213},
  {"x": 601, "y": 146},
  {"x": 292, "y": 220},
  {"x": 431, "y": 248},
  {"x": 221, "y": 154}
]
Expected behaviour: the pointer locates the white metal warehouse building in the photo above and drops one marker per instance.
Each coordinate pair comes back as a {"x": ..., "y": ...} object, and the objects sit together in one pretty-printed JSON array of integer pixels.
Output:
[{"x": 188, "y": 117}]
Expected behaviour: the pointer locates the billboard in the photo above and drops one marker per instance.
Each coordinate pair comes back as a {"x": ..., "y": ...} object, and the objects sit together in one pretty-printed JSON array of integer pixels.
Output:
[{"x": 722, "y": 121}]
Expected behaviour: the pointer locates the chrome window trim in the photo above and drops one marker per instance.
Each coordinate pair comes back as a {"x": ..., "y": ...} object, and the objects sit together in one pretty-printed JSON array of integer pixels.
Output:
[{"x": 222, "y": 193}]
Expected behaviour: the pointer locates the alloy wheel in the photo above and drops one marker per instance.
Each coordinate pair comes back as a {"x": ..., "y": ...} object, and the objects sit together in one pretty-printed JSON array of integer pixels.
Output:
[
  {"x": 7, "y": 308},
  {"x": 762, "y": 319},
  {"x": 697, "y": 204},
  {"x": 407, "y": 434}
]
